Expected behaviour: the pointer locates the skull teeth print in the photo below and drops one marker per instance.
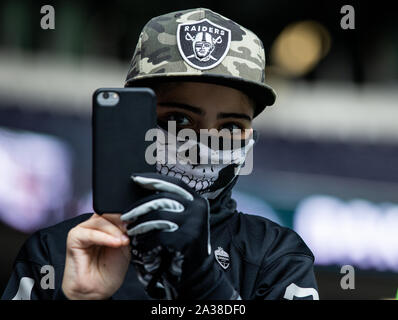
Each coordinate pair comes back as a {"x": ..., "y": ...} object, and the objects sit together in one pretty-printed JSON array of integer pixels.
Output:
[
  {"x": 210, "y": 170},
  {"x": 199, "y": 185}
]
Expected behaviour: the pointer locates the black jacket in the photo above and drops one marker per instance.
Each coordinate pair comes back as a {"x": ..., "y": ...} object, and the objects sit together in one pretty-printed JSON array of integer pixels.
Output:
[{"x": 261, "y": 259}]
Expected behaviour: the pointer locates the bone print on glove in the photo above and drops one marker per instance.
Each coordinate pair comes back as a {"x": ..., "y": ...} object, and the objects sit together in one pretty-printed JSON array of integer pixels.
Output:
[{"x": 170, "y": 239}]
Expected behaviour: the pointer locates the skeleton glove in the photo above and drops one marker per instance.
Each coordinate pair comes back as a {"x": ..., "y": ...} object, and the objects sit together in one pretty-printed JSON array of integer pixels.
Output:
[{"x": 170, "y": 241}]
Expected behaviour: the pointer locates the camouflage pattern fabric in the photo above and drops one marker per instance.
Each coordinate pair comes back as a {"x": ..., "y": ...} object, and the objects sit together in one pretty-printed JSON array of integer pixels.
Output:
[{"x": 201, "y": 45}]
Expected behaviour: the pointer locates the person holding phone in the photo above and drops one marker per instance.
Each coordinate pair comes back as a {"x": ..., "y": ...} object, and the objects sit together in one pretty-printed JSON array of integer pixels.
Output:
[{"x": 186, "y": 240}]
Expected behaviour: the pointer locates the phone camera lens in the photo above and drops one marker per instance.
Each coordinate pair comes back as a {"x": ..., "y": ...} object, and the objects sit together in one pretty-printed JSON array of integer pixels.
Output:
[{"x": 106, "y": 95}]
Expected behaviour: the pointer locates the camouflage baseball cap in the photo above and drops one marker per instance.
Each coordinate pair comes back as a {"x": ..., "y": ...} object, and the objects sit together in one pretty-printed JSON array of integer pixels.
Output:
[{"x": 201, "y": 45}]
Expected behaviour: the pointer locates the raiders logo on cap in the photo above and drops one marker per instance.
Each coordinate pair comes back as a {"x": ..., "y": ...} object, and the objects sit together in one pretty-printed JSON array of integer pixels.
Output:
[
  {"x": 203, "y": 44},
  {"x": 222, "y": 257}
]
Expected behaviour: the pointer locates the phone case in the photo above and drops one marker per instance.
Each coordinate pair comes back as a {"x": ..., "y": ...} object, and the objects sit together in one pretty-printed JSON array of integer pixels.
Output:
[{"x": 119, "y": 146}]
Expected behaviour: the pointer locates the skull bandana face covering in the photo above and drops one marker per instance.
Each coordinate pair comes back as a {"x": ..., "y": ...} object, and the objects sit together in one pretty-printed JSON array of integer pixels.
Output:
[{"x": 206, "y": 170}]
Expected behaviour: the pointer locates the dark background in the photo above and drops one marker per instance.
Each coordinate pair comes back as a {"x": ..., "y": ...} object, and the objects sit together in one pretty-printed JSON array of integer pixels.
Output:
[{"x": 289, "y": 165}]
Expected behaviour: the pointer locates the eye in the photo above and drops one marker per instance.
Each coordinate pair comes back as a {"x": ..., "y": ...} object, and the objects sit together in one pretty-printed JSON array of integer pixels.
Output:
[
  {"x": 236, "y": 130},
  {"x": 231, "y": 126},
  {"x": 180, "y": 119}
]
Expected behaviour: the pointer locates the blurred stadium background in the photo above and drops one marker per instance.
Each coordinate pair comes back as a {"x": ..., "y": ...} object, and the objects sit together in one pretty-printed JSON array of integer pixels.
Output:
[{"x": 327, "y": 161}]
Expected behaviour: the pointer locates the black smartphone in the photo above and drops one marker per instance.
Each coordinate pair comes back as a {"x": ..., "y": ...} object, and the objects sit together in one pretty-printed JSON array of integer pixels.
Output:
[{"x": 121, "y": 117}]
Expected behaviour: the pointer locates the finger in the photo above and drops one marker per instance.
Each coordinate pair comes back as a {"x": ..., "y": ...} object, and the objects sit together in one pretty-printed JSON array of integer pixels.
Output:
[
  {"x": 145, "y": 227},
  {"x": 163, "y": 204},
  {"x": 109, "y": 224},
  {"x": 115, "y": 219},
  {"x": 82, "y": 237},
  {"x": 161, "y": 185}
]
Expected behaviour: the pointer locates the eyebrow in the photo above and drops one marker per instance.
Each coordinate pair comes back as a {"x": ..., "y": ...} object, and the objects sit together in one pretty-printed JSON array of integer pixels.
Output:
[
  {"x": 221, "y": 115},
  {"x": 224, "y": 115}
]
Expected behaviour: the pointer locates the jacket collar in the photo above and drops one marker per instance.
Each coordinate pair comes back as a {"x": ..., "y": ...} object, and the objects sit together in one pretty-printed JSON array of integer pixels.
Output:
[{"x": 222, "y": 207}]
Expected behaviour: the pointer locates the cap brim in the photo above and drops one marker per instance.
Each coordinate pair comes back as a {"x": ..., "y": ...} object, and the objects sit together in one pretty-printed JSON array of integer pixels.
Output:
[{"x": 262, "y": 94}]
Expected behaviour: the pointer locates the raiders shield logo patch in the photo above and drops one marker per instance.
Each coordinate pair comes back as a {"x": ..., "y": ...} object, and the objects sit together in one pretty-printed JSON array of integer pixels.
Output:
[
  {"x": 222, "y": 257},
  {"x": 203, "y": 44}
]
